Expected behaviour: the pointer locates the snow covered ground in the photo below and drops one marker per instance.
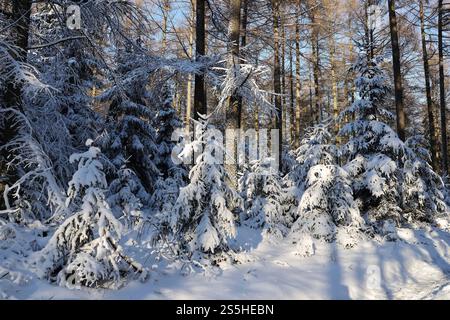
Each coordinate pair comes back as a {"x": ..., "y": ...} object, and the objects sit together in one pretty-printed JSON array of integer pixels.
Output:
[{"x": 415, "y": 267}]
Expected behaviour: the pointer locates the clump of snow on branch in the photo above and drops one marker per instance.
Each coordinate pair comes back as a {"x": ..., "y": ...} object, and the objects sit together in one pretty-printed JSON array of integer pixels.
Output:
[{"x": 240, "y": 80}]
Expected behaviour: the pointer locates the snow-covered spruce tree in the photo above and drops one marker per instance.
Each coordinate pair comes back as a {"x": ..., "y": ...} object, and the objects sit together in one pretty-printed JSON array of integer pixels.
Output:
[
  {"x": 264, "y": 199},
  {"x": 127, "y": 198},
  {"x": 203, "y": 220},
  {"x": 163, "y": 200},
  {"x": 327, "y": 210},
  {"x": 392, "y": 180},
  {"x": 173, "y": 175},
  {"x": 373, "y": 151},
  {"x": 422, "y": 188},
  {"x": 84, "y": 250},
  {"x": 130, "y": 140},
  {"x": 166, "y": 121},
  {"x": 316, "y": 148}
]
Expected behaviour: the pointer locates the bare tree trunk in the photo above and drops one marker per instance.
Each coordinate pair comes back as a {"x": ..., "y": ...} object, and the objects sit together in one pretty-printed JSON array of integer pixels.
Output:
[
  {"x": 316, "y": 71},
  {"x": 243, "y": 44},
  {"x": 200, "y": 46},
  {"x": 426, "y": 67},
  {"x": 401, "y": 118},
  {"x": 316, "y": 67},
  {"x": 297, "y": 75},
  {"x": 369, "y": 31},
  {"x": 292, "y": 97},
  {"x": 189, "y": 84},
  {"x": 244, "y": 23},
  {"x": 334, "y": 87},
  {"x": 348, "y": 78},
  {"x": 283, "y": 76},
  {"x": 256, "y": 116},
  {"x": 345, "y": 94},
  {"x": 166, "y": 11},
  {"x": 277, "y": 78},
  {"x": 442, "y": 91},
  {"x": 311, "y": 104},
  {"x": 233, "y": 112}
]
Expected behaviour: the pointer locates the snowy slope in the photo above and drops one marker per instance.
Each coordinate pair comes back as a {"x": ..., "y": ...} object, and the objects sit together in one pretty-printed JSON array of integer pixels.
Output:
[{"x": 415, "y": 267}]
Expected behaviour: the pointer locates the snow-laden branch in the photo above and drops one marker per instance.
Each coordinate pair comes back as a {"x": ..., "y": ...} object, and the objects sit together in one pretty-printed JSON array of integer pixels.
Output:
[
  {"x": 49, "y": 44},
  {"x": 29, "y": 154},
  {"x": 240, "y": 80}
]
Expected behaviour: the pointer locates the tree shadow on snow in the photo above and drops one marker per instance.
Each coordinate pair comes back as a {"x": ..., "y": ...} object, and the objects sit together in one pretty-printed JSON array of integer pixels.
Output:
[
  {"x": 429, "y": 244},
  {"x": 247, "y": 239},
  {"x": 336, "y": 288}
]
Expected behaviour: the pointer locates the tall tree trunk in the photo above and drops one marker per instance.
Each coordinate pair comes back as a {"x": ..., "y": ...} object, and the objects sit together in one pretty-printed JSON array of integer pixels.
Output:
[
  {"x": 334, "y": 87},
  {"x": 368, "y": 31},
  {"x": 297, "y": 75},
  {"x": 311, "y": 103},
  {"x": 244, "y": 20},
  {"x": 316, "y": 67},
  {"x": 442, "y": 91},
  {"x": 426, "y": 67},
  {"x": 434, "y": 83},
  {"x": 244, "y": 23},
  {"x": 283, "y": 76},
  {"x": 345, "y": 93},
  {"x": 233, "y": 112},
  {"x": 401, "y": 119},
  {"x": 200, "y": 46},
  {"x": 292, "y": 97},
  {"x": 277, "y": 78},
  {"x": 189, "y": 84},
  {"x": 256, "y": 111},
  {"x": 166, "y": 11},
  {"x": 317, "y": 116}
]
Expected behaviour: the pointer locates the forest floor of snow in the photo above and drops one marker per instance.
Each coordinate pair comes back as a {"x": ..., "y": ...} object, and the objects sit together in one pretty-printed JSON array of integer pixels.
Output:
[{"x": 417, "y": 266}]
